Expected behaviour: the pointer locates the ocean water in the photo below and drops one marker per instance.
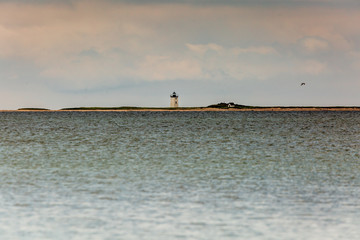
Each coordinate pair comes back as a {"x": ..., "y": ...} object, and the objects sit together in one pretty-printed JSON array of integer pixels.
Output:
[{"x": 180, "y": 175}]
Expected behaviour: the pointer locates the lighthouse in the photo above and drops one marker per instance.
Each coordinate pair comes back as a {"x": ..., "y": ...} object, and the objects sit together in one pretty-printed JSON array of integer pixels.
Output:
[{"x": 174, "y": 100}]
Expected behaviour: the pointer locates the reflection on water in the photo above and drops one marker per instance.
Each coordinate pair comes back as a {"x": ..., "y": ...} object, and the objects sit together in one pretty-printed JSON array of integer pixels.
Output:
[{"x": 180, "y": 175}]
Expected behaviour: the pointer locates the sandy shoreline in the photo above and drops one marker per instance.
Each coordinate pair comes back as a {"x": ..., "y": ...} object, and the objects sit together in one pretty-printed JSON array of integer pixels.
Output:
[{"x": 262, "y": 109}]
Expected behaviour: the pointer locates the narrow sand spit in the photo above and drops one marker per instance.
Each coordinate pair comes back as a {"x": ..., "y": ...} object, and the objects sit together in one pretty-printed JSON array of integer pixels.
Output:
[{"x": 262, "y": 109}]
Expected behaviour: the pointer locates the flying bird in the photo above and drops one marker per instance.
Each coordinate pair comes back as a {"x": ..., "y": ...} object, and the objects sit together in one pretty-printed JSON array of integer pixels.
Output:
[{"x": 302, "y": 84}]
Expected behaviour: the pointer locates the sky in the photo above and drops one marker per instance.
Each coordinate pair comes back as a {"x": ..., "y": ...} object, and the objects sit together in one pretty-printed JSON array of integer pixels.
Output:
[{"x": 72, "y": 53}]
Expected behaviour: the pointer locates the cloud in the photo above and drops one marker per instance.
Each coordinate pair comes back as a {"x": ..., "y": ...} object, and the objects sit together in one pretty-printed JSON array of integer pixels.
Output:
[
  {"x": 355, "y": 59},
  {"x": 296, "y": 3},
  {"x": 220, "y": 62},
  {"x": 168, "y": 68},
  {"x": 314, "y": 67},
  {"x": 312, "y": 44},
  {"x": 258, "y": 50},
  {"x": 89, "y": 53},
  {"x": 203, "y": 48}
]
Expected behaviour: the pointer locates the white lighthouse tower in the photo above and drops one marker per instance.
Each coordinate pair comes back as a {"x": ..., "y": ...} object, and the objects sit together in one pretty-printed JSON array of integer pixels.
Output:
[{"x": 174, "y": 100}]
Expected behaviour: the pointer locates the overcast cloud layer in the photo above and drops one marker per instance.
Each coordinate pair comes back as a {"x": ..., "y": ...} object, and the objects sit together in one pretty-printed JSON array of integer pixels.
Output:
[{"x": 57, "y": 54}]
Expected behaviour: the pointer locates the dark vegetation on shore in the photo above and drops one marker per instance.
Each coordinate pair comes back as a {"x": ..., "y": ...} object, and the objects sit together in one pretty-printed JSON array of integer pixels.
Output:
[
  {"x": 238, "y": 106},
  {"x": 125, "y": 108},
  {"x": 99, "y": 108},
  {"x": 221, "y": 105},
  {"x": 33, "y": 109},
  {"x": 224, "y": 105}
]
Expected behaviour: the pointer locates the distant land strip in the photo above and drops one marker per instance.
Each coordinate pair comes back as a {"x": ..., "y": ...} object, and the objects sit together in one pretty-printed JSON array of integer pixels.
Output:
[
  {"x": 217, "y": 107},
  {"x": 33, "y": 109}
]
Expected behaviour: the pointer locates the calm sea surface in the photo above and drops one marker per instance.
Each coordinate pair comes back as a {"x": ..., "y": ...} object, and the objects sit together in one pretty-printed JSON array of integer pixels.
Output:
[{"x": 180, "y": 175}]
